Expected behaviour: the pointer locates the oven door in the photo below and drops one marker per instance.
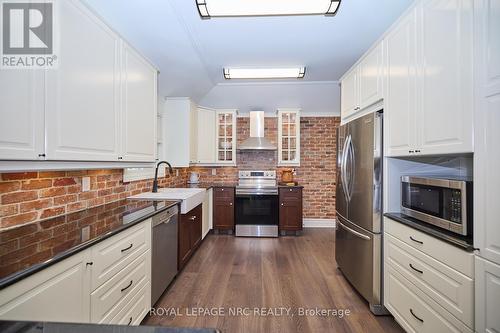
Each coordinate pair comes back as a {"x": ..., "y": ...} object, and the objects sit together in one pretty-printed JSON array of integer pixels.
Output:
[{"x": 257, "y": 209}]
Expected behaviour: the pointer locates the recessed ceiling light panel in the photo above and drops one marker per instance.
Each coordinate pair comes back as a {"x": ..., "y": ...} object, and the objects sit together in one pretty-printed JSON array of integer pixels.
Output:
[
  {"x": 229, "y": 8},
  {"x": 264, "y": 73}
]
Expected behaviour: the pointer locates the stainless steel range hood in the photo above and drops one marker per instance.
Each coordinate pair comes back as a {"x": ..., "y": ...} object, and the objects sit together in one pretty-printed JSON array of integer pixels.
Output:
[{"x": 256, "y": 141}]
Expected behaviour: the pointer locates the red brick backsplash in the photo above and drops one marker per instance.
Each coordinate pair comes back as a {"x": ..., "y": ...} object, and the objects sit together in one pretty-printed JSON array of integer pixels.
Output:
[
  {"x": 33, "y": 196},
  {"x": 27, "y": 197},
  {"x": 317, "y": 171}
]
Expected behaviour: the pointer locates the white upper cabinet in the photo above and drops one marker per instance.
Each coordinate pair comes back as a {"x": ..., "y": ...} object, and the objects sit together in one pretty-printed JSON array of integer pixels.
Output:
[
  {"x": 139, "y": 108},
  {"x": 370, "y": 76},
  {"x": 445, "y": 115},
  {"x": 82, "y": 110},
  {"x": 226, "y": 137},
  {"x": 400, "y": 95},
  {"x": 487, "y": 137},
  {"x": 178, "y": 119},
  {"x": 289, "y": 137},
  {"x": 363, "y": 85},
  {"x": 99, "y": 104},
  {"x": 205, "y": 136},
  {"x": 349, "y": 94},
  {"x": 429, "y": 99},
  {"x": 22, "y": 114}
]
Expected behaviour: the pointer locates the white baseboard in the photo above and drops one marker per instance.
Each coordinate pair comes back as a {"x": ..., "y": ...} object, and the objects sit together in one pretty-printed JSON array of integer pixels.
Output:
[{"x": 319, "y": 223}]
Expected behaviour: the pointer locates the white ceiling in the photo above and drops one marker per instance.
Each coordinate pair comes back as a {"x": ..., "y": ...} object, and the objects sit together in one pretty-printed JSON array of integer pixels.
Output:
[{"x": 190, "y": 53}]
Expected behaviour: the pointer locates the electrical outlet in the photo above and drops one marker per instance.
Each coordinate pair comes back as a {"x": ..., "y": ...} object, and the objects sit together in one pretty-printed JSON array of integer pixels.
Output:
[
  {"x": 85, "y": 184},
  {"x": 214, "y": 172},
  {"x": 85, "y": 233},
  {"x": 177, "y": 172}
]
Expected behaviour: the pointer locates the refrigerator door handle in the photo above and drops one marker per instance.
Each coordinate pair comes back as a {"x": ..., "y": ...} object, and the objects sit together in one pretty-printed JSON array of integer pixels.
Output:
[
  {"x": 354, "y": 232},
  {"x": 343, "y": 168},
  {"x": 352, "y": 168}
]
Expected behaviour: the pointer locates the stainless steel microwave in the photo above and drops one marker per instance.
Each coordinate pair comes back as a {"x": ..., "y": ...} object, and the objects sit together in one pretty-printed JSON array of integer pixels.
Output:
[{"x": 440, "y": 201}]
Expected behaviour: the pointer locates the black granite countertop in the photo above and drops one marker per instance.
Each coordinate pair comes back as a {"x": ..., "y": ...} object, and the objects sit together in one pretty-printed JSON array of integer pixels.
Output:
[
  {"x": 208, "y": 185},
  {"x": 30, "y": 248},
  {"x": 465, "y": 243},
  {"x": 42, "y": 327}
]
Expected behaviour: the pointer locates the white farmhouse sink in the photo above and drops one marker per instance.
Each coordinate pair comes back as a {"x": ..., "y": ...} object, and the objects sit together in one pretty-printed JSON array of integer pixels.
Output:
[{"x": 190, "y": 197}]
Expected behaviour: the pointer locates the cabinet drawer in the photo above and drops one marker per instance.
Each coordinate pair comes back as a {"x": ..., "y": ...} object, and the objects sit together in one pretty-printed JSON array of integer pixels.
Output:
[
  {"x": 415, "y": 311},
  {"x": 293, "y": 192},
  {"x": 223, "y": 193},
  {"x": 449, "y": 288},
  {"x": 454, "y": 257},
  {"x": 123, "y": 284},
  {"x": 115, "y": 253},
  {"x": 135, "y": 309}
]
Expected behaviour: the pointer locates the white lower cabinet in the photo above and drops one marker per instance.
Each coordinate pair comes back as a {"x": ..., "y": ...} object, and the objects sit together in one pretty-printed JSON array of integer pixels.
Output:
[
  {"x": 108, "y": 283},
  {"x": 487, "y": 296},
  {"x": 59, "y": 293},
  {"x": 428, "y": 283},
  {"x": 414, "y": 310}
]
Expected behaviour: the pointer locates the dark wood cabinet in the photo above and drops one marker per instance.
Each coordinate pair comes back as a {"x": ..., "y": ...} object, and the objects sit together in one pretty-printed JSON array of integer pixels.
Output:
[
  {"x": 223, "y": 208},
  {"x": 190, "y": 231},
  {"x": 290, "y": 213}
]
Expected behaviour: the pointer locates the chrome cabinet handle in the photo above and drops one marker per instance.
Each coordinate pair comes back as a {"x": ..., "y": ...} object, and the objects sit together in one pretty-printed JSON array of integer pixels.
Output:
[
  {"x": 282, "y": 204},
  {"x": 416, "y": 270},
  {"x": 416, "y": 241},
  {"x": 230, "y": 204},
  {"x": 129, "y": 285},
  {"x": 192, "y": 218},
  {"x": 127, "y": 248},
  {"x": 129, "y": 321},
  {"x": 416, "y": 317}
]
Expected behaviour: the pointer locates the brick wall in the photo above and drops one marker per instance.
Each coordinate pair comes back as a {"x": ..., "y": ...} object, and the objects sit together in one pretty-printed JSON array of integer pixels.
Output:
[
  {"x": 317, "y": 172},
  {"x": 32, "y": 196}
]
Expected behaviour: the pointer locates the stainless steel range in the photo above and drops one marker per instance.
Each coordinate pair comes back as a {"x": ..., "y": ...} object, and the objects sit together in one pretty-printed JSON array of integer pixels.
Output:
[{"x": 256, "y": 207}]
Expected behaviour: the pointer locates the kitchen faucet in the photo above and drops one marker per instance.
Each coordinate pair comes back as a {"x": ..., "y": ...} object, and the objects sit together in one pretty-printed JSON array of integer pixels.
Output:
[{"x": 155, "y": 182}]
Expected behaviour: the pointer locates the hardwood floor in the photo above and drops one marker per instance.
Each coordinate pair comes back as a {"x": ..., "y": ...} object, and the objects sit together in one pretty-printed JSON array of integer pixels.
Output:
[{"x": 248, "y": 273}]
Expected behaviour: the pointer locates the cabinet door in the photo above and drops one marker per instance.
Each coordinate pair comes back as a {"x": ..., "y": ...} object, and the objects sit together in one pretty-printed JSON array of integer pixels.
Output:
[
  {"x": 206, "y": 136},
  {"x": 196, "y": 227},
  {"x": 60, "y": 293},
  {"x": 288, "y": 137},
  {"x": 82, "y": 110},
  {"x": 226, "y": 137},
  {"x": 446, "y": 81},
  {"x": 349, "y": 94},
  {"x": 290, "y": 214},
  {"x": 487, "y": 134},
  {"x": 139, "y": 107},
  {"x": 487, "y": 296},
  {"x": 400, "y": 93},
  {"x": 22, "y": 115},
  {"x": 223, "y": 211},
  {"x": 184, "y": 246},
  {"x": 371, "y": 77}
]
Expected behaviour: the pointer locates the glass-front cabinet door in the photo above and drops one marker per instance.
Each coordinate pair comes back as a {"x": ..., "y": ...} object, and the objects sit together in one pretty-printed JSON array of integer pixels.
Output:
[
  {"x": 226, "y": 136},
  {"x": 289, "y": 137}
]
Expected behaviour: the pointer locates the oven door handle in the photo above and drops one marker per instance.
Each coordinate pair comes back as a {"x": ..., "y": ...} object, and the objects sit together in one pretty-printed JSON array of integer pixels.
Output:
[{"x": 255, "y": 193}]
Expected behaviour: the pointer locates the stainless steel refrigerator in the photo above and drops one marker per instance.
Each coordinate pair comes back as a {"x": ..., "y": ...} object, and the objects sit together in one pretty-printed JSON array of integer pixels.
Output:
[{"x": 358, "y": 242}]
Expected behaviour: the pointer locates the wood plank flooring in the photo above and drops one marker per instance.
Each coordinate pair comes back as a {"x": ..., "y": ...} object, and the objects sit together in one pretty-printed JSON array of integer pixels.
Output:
[{"x": 247, "y": 273}]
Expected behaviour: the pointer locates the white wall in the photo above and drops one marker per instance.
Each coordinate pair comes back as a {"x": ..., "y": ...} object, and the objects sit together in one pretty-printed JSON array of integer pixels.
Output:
[{"x": 318, "y": 98}]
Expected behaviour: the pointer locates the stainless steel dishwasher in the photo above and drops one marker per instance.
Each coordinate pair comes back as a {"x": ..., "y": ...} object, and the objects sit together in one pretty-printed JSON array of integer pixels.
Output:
[{"x": 164, "y": 254}]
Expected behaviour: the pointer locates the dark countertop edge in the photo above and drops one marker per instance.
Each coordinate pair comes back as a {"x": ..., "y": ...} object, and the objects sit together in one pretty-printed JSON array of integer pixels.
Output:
[
  {"x": 89, "y": 327},
  {"x": 457, "y": 241},
  {"x": 16, "y": 277},
  {"x": 218, "y": 185}
]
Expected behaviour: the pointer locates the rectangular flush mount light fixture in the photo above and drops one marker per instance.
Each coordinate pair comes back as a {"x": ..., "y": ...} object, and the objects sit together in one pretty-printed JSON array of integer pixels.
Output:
[
  {"x": 228, "y": 8},
  {"x": 264, "y": 73}
]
